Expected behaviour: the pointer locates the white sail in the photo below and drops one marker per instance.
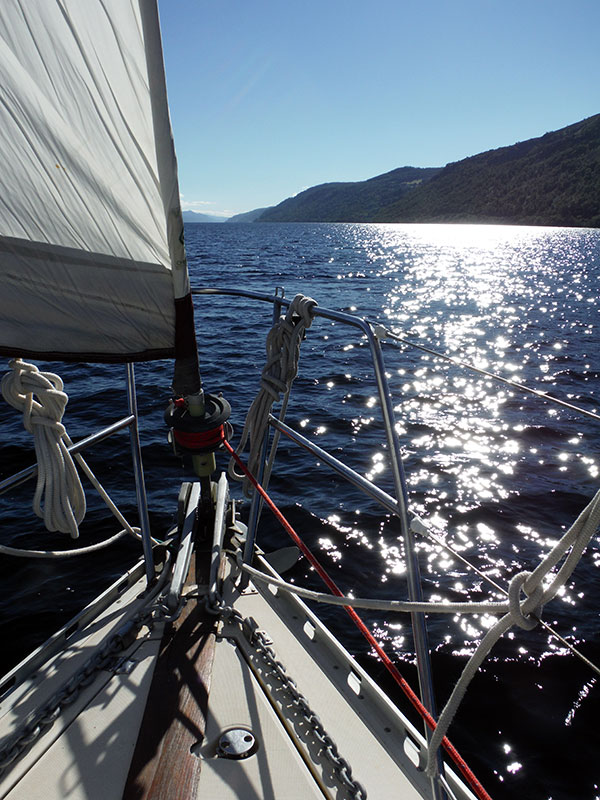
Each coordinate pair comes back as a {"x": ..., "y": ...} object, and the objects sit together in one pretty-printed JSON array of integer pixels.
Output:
[{"x": 92, "y": 264}]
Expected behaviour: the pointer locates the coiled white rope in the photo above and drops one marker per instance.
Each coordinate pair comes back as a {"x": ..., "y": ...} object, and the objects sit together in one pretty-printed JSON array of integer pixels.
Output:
[
  {"x": 281, "y": 367},
  {"x": 17, "y": 389},
  {"x": 59, "y": 498}
]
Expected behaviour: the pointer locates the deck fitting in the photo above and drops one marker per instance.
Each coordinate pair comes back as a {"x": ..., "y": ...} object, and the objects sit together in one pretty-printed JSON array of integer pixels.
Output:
[{"x": 237, "y": 743}]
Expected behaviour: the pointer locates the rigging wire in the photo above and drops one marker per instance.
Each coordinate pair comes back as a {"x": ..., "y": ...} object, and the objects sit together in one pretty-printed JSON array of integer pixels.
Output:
[
  {"x": 438, "y": 540},
  {"x": 384, "y": 333},
  {"x": 524, "y": 613},
  {"x": 419, "y": 527}
]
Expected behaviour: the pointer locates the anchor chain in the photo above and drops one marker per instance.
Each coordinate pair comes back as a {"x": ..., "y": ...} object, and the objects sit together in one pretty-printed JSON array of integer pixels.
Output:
[
  {"x": 258, "y": 639},
  {"x": 51, "y": 710}
]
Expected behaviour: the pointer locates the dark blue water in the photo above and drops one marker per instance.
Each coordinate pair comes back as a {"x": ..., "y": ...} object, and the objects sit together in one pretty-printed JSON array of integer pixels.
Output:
[{"x": 499, "y": 474}]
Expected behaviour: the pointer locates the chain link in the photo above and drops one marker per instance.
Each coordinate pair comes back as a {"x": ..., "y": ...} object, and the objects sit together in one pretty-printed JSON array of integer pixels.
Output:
[
  {"x": 45, "y": 716},
  {"x": 50, "y": 711},
  {"x": 262, "y": 642}
]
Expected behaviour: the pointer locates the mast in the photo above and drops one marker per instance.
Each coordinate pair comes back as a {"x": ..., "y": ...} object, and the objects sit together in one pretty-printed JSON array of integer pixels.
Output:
[{"x": 186, "y": 378}]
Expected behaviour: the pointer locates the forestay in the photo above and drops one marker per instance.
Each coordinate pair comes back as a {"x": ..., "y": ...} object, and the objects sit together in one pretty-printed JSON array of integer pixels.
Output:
[{"x": 92, "y": 263}]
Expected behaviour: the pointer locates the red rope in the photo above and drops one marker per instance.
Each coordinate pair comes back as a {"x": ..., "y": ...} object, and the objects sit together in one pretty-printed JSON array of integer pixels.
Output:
[
  {"x": 387, "y": 662},
  {"x": 200, "y": 439}
]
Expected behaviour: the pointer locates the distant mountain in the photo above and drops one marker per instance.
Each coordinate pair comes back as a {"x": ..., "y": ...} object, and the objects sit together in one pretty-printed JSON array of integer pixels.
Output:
[
  {"x": 349, "y": 202},
  {"x": 195, "y": 216},
  {"x": 248, "y": 216},
  {"x": 550, "y": 180}
]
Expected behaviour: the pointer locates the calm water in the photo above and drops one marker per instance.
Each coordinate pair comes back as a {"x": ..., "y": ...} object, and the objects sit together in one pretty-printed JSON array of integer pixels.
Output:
[{"x": 499, "y": 474}]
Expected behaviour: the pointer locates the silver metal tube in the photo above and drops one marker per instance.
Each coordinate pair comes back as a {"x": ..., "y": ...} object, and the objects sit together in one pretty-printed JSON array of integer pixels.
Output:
[
  {"x": 218, "y": 536},
  {"x": 414, "y": 581},
  {"x": 24, "y": 475},
  {"x": 415, "y": 590},
  {"x": 184, "y": 554},
  {"x": 138, "y": 471},
  {"x": 387, "y": 409},
  {"x": 374, "y": 492},
  {"x": 257, "y": 502}
]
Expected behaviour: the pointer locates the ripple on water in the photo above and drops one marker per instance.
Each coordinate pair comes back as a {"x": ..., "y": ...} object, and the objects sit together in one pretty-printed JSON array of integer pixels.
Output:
[{"x": 498, "y": 474}]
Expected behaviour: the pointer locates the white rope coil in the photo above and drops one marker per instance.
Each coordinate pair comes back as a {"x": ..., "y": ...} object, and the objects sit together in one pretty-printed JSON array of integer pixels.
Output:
[
  {"x": 283, "y": 353},
  {"x": 59, "y": 498}
]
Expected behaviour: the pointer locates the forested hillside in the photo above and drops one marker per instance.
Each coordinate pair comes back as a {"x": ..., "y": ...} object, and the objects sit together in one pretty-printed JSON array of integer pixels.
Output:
[
  {"x": 550, "y": 180},
  {"x": 349, "y": 202}
]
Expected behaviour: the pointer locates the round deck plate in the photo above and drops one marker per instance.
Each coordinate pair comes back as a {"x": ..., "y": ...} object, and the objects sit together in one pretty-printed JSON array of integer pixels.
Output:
[{"x": 236, "y": 743}]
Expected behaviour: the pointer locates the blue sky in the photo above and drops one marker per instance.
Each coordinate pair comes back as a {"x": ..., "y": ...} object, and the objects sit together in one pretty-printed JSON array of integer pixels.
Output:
[{"x": 269, "y": 97}]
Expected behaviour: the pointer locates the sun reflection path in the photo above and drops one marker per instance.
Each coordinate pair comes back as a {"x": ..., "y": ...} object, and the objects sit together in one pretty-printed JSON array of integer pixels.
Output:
[
  {"x": 498, "y": 473},
  {"x": 481, "y": 459}
]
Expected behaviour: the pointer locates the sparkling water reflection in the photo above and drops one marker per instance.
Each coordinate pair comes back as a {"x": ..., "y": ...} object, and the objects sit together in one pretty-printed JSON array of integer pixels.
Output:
[
  {"x": 498, "y": 474},
  {"x": 479, "y": 293}
]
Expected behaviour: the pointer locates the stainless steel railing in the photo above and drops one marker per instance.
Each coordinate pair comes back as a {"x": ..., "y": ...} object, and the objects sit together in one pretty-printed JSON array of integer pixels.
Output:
[{"x": 398, "y": 505}]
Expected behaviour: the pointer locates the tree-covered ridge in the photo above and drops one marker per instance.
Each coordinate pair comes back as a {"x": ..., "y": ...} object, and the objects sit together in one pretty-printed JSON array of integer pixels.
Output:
[
  {"x": 551, "y": 180},
  {"x": 248, "y": 216},
  {"x": 349, "y": 202}
]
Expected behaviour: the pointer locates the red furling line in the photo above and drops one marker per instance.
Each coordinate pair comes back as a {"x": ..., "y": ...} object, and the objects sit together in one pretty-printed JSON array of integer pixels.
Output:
[
  {"x": 204, "y": 439},
  {"x": 389, "y": 665}
]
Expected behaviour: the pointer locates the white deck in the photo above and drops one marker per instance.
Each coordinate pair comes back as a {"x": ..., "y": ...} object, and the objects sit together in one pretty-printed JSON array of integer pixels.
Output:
[
  {"x": 75, "y": 757},
  {"x": 85, "y": 754},
  {"x": 277, "y": 771}
]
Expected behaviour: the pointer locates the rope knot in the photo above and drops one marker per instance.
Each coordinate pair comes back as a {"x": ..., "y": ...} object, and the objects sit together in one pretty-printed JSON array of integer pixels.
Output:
[
  {"x": 278, "y": 374},
  {"x": 525, "y": 613},
  {"x": 59, "y": 499}
]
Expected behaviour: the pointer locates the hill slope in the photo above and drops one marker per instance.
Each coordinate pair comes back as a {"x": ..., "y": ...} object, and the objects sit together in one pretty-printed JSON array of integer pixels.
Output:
[
  {"x": 248, "y": 216},
  {"x": 349, "y": 202},
  {"x": 551, "y": 180},
  {"x": 196, "y": 216}
]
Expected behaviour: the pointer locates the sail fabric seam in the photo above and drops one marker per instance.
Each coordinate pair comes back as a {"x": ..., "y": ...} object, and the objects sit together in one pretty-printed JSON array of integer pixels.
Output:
[
  {"x": 89, "y": 168},
  {"x": 68, "y": 255},
  {"x": 96, "y": 358},
  {"x": 60, "y": 149},
  {"x": 123, "y": 160},
  {"x": 68, "y": 149},
  {"x": 166, "y": 159}
]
